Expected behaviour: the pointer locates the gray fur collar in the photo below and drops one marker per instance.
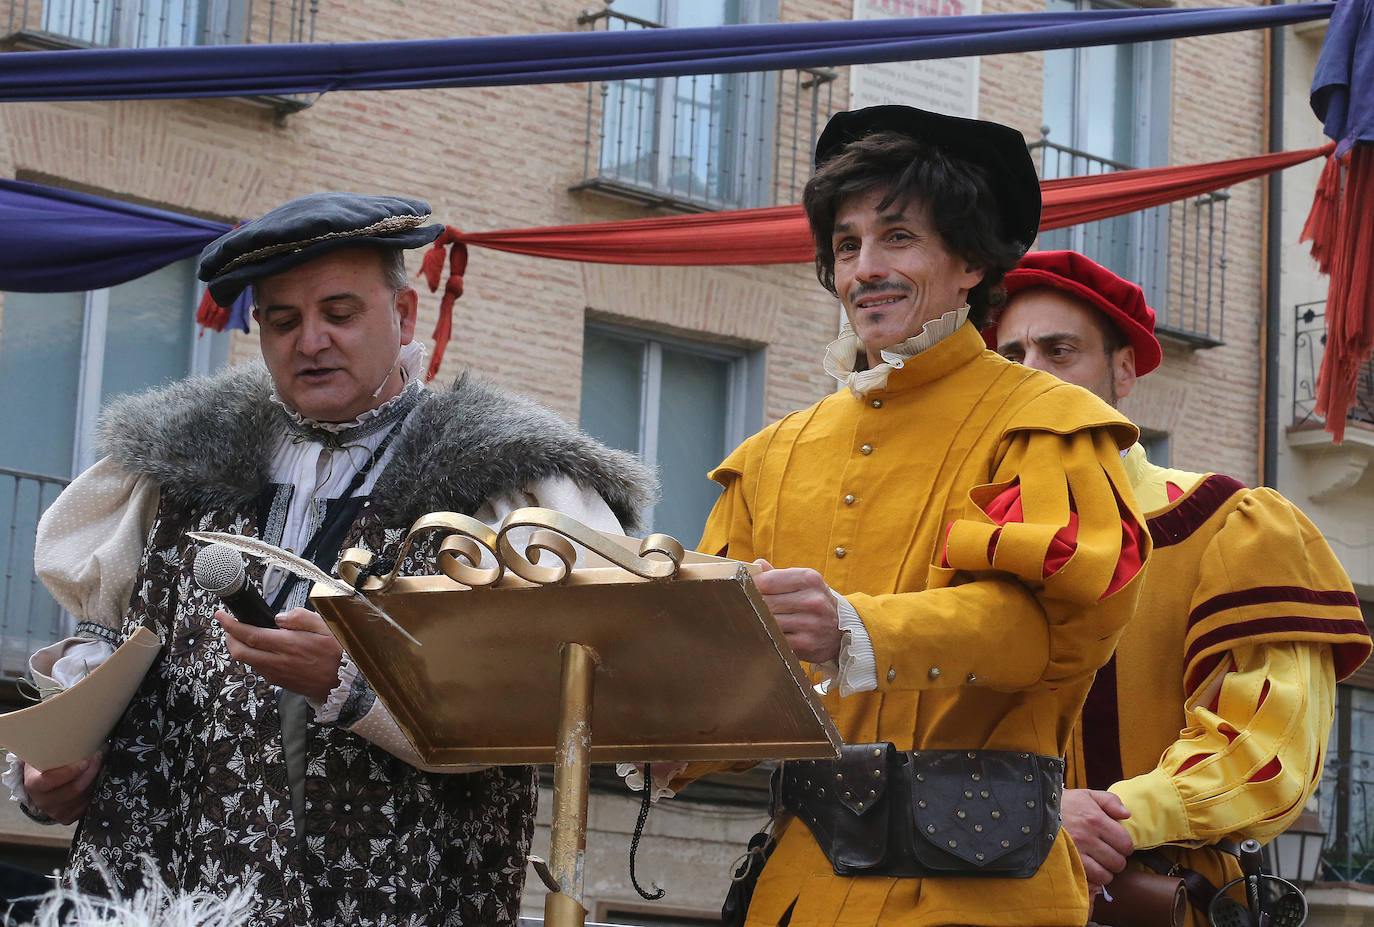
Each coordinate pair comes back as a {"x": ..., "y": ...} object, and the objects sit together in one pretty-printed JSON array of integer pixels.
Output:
[{"x": 207, "y": 441}]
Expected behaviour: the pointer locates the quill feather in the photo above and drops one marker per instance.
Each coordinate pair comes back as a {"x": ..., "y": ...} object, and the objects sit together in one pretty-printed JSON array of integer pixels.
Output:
[{"x": 288, "y": 561}]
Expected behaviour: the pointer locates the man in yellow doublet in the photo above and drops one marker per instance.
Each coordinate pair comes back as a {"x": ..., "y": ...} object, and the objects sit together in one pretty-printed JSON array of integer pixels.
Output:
[
  {"x": 1210, "y": 723},
  {"x": 950, "y": 536}
]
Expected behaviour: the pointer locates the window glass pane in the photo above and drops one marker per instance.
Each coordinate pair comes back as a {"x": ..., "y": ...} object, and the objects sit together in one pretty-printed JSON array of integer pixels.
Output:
[
  {"x": 691, "y": 440},
  {"x": 149, "y": 330},
  {"x": 612, "y": 388},
  {"x": 40, "y": 367},
  {"x": 40, "y": 370}
]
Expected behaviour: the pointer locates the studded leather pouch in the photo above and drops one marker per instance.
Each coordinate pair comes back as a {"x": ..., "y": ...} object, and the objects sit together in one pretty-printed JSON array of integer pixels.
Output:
[{"x": 924, "y": 813}]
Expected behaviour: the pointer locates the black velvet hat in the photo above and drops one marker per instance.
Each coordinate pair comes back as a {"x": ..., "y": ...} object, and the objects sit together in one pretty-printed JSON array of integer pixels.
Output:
[
  {"x": 999, "y": 150},
  {"x": 306, "y": 228}
]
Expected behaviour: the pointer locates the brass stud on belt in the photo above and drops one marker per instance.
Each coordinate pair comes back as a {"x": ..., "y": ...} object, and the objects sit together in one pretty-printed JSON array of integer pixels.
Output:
[
  {"x": 978, "y": 856},
  {"x": 976, "y": 777},
  {"x": 872, "y": 794},
  {"x": 877, "y": 773},
  {"x": 960, "y": 815},
  {"x": 1030, "y": 778},
  {"x": 985, "y": 793},
  {"x": 921, "y": 803},
  {"x": 877, "y": 751},
  {"x": 920, "y": 777},
  {"x": 968, "y": 794},
  {"x": 1025, "y": 829},
  {"x": 1030, "y": 804},
  {"x": 997, "y": 815},
  {"x": 978, "y": 828},
  {"x": 930, "y": 828},
  {"x": 972, "y": 755},
  {"x": 820, "y": 792},
  {"x": 839, "y": 777},
  {"x": 953, "y": 844},
  {"x": 861, "y": 806},
  {"x": 847, "y": 795},
  {"x": 1006, "y": 844}
]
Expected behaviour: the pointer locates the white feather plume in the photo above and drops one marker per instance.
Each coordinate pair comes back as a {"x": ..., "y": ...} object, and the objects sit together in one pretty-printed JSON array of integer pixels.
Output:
[
  {"x": 154, "y": 905},
  {"x": 285, "y": 560}
]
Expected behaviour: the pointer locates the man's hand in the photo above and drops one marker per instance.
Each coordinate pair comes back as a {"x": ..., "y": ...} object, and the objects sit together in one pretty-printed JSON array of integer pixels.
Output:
[
  {"x": 300, "y": 655},
  {"x": 1091, "y": 819},
  {"x": 805, "y": 609},
  {"x": 64, "y": 792}
]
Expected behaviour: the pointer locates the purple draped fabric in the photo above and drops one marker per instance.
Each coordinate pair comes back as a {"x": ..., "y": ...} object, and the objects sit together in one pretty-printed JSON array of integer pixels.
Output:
[{"x": 237, "y": 70}]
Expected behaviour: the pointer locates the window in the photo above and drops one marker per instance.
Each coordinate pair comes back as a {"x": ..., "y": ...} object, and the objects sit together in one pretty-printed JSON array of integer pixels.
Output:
[
  {"x": 1106, "y": 108},
  {"x": 1156, "y": 445},
  {"x": 703, "y": 140},
  {"x": 1345, "y": 799},
  {"x": 680, "y": 405},
  {"x": 62, "y": 357},
  {"x": 146, "y": 23}
]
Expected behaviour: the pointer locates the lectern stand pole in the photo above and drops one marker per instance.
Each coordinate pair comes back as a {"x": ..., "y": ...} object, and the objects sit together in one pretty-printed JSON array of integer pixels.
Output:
[{"x": 571, "y": 778}]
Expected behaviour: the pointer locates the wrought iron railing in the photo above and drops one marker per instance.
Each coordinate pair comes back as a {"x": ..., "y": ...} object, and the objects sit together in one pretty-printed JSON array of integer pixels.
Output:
[
  {"x": 29, "y": 617},
  {"x": 707, "y": 141},
  {"x": 1176, "y": 251},
  {"x": 156, "y": 23},
  {"x": 1309, "y": 345},
  {"x": 1345, "y": 800}
]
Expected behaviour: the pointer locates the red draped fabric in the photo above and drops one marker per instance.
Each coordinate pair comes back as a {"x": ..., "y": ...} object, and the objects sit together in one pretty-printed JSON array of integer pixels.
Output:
[
  {"x": 779, "y": 234},
  {"x": 1341, "y": 229}
]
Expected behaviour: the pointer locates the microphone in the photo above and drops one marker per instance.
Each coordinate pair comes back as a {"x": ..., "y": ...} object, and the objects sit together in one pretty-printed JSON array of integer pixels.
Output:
[{"x": 219, "y": 571}]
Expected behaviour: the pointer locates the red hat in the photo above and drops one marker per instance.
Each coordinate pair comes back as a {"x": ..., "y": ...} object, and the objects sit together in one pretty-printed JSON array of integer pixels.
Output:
[{"x": 1120, "y": 299}]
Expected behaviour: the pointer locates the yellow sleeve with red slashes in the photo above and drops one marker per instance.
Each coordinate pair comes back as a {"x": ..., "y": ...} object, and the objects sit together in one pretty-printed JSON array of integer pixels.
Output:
[{"x": 1273, "y": 624}]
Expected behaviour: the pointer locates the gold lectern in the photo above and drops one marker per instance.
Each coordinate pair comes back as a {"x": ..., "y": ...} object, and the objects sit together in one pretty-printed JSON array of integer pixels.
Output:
[{"x": 672, "y": 653}]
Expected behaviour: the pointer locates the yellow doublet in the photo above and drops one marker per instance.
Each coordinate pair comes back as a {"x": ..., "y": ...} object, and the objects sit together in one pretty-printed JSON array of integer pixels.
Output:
[
  {"x": 1210, "y": 721},
  {"x": 985, "y": 652}
]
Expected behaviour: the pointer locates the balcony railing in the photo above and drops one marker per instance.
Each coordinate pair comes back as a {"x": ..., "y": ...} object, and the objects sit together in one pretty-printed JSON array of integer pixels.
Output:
[
  {"x": 1176, "y": 252},
  {"x": 29, "y": 617},
  {"x": 709, "y": 141},
  {"x": 1309, "y": 345}
]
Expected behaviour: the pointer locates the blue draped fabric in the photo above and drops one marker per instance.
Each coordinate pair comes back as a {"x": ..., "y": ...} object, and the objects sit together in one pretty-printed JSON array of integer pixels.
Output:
[
  {"x": 54, "y": 240},
  {"x": 1343, "y": 83},
  {"x": 237, "y": 70}
]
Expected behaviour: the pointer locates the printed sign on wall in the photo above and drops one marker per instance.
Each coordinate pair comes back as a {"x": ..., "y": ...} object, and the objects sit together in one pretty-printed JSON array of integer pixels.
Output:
[{"x": 947, "y": 85}]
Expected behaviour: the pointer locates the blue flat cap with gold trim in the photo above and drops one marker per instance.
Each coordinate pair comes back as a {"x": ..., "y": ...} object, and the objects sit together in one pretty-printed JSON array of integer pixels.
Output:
[{"x": 309, "y": 227}]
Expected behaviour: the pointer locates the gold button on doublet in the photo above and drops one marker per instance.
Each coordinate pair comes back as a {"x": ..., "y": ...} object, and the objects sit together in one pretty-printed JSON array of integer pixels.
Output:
[
  {"x": 934, "y": 672},
  {"x": 840, "y": 552},
  {"x": 849, "y": 499},
  {"x": 877, "y": 403},
  {"x": 866, "y": 449},
  {"x": 891, "y": 673}
]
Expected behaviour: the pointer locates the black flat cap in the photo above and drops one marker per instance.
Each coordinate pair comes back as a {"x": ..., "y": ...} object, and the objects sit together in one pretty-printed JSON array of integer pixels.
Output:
[
  {"x": 306, "y": 228},
  {"x": 999, "y": 150}
]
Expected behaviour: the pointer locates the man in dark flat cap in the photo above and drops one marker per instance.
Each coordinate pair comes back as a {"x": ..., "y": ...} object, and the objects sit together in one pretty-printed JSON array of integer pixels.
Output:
[
  {"x": 949, "y": 537},
  {"x": 262, "y": 754}
]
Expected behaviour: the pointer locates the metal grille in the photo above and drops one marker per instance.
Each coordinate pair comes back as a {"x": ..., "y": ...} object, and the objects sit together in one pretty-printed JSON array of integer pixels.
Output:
[
  {"x": 1346, "y": 795},
  {"x": 1309, "y": 345},
  {"x": 156, "y": 23},
  {"x": 29, "y": 617},
  {"x": 1176, "y": 251},
  {"x": 708, "y": 141}
]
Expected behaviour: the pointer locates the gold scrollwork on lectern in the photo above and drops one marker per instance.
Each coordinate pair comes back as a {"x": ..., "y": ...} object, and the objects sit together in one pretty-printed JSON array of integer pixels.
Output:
[{"x": 553, "y": 534}]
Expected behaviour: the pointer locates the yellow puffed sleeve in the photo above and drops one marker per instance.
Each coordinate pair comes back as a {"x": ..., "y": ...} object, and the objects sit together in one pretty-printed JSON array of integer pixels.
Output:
[
  {"x": 1273, "y": 623},
  {"x": 1035, "y": 585}
]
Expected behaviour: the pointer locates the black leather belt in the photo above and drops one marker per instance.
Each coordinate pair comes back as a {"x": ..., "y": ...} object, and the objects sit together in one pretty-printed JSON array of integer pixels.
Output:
[{"x": 916, "y": 814}]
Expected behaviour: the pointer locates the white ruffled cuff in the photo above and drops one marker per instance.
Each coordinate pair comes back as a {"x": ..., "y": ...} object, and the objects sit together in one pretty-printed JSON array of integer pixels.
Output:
[
  {"x": 60, "y": 666},
  {"x": 856, "y": 668},
  {"x": 13, "y": 777},
  {"x": 664, "y": 773},
  {"x": 327, "y": 712}
]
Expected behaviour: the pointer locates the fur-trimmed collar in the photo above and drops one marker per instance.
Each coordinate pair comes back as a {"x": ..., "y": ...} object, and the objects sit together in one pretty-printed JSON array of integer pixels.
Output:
[{"x": 206, "y": 442}]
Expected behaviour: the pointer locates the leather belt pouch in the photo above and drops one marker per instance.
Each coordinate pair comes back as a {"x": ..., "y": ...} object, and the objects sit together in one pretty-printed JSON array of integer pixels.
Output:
[
  {"x": 879, "y": 811},
  {"x": 1142, "y": 899}
]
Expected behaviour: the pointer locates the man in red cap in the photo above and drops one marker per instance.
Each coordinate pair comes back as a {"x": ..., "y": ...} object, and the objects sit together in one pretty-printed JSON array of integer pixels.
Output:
[{"x": 1209, "y": 724}]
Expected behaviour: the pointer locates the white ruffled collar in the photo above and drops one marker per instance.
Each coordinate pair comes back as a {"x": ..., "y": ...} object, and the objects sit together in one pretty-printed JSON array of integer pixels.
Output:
[
  {"x": 411, "y": 361},
  {"x": 842, "y": 354}
]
